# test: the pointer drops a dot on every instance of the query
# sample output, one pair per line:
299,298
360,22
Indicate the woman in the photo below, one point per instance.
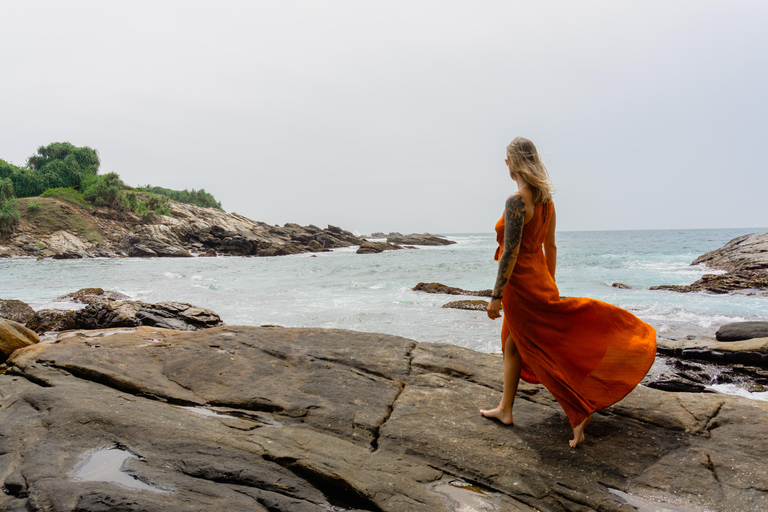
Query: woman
587,353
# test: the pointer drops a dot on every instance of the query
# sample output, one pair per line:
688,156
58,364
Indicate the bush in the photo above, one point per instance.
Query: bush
9,215
147,204
33,207
68,194
105,190
196,197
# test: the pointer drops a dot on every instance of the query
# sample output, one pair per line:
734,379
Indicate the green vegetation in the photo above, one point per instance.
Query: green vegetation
9,216
196,197
69,195
70,173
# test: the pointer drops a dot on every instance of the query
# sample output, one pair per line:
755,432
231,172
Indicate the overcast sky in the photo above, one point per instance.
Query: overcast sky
394,116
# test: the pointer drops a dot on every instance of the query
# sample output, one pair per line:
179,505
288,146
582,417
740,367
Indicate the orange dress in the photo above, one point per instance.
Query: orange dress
589,354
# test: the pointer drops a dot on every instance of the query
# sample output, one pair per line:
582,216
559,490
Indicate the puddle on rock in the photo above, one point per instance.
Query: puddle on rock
106,465
466,497
211,413
651,505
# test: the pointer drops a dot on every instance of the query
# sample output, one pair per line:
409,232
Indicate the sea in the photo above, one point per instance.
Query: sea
373,292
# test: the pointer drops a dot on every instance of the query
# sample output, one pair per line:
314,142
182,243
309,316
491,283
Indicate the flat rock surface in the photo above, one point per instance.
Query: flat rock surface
271,419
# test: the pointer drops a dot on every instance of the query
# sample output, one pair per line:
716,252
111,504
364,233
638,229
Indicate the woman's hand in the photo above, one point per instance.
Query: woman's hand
493,309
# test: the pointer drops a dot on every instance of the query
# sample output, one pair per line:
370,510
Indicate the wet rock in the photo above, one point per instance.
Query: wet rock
308,419
738,331
677,385
88,295
210,253
376,247
418,239
621,286
474,305
68,256
15,310
13,336
449,290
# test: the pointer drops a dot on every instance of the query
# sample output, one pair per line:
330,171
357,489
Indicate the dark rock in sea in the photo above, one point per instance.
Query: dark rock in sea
210,253
376,247
449,290
14,335
249,418
678,386
103,314
88,295
621,286
68,255
745,259
474,305
15,310
738,331
140,251
418,239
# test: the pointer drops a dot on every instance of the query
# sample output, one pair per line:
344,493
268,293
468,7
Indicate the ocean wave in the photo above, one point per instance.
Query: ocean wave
733,389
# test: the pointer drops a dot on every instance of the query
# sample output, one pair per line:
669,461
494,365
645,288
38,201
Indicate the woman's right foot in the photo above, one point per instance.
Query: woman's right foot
503,415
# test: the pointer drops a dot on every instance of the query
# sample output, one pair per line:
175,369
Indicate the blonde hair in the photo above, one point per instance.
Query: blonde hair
524,160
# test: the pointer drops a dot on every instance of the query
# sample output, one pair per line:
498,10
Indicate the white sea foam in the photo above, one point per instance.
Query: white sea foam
732,389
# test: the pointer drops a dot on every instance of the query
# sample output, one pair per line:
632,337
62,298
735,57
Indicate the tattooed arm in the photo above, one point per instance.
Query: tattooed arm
514,219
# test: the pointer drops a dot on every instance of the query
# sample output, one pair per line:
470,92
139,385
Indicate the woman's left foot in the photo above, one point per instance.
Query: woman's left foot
578,432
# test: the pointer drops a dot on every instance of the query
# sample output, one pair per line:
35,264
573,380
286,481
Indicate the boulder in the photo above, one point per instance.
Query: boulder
264,418
15,310
474,305
449,290
750,352
13,336
140,251
376,247
738,331
621,286
210,253
49,320
88,295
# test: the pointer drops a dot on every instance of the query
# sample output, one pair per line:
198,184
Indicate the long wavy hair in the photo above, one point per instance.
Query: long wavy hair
525,160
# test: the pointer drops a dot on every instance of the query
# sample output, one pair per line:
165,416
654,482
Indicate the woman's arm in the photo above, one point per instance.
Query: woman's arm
550,249
514,219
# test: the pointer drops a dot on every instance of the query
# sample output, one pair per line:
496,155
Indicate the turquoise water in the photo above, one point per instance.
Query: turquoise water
373,292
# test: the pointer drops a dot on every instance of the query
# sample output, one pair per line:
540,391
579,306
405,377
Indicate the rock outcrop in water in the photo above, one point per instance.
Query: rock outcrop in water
449,290
63,230
275,419
745,260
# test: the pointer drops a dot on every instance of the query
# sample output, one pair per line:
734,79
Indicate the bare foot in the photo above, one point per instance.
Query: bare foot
503,415
578,432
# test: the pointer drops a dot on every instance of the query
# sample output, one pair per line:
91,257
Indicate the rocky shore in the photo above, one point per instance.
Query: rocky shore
278,419
744,261
62,230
